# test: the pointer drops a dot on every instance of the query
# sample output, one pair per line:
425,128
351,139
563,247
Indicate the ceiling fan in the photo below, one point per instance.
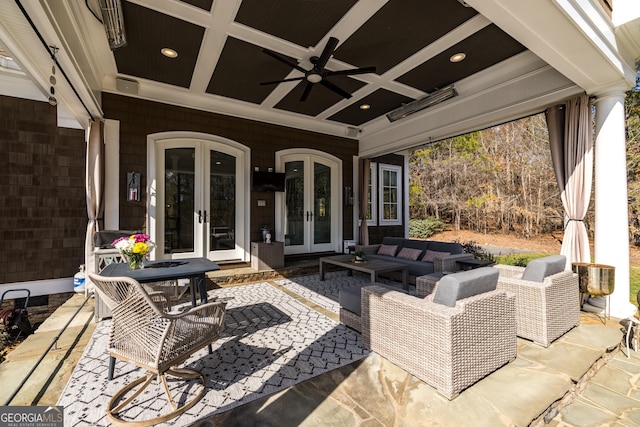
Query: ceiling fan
318,74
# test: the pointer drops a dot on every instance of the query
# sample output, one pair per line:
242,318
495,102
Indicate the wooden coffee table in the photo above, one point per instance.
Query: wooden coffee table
372,266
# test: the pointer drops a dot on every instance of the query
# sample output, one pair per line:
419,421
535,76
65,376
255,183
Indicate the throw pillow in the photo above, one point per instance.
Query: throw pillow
430,256
389,250
408,253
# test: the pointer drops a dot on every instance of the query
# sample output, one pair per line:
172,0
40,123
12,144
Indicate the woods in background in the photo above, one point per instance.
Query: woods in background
501,180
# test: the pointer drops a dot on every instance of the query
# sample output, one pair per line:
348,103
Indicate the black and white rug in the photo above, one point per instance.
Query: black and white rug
271,342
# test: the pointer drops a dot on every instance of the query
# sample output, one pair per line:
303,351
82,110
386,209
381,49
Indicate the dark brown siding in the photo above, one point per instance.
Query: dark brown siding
139,118
377,233
43,211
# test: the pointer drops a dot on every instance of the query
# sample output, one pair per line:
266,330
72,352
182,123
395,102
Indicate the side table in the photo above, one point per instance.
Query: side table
267,256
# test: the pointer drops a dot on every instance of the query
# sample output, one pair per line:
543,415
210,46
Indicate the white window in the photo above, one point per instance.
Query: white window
390,194
372,196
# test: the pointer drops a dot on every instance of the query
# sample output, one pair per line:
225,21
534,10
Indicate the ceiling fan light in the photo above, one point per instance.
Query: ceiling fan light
314,78
113,21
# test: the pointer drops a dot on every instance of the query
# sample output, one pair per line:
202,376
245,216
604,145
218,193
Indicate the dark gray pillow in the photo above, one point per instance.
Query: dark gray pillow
540,268
451,247
457,286
391,241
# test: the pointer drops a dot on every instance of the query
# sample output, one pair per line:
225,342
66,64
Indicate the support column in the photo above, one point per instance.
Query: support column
611,210
112,175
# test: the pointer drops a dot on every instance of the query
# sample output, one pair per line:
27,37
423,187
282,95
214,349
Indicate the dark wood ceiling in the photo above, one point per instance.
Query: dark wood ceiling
393,39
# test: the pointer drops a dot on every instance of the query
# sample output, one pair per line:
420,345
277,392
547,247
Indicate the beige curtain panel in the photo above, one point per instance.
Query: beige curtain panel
571,143
95,193
363,188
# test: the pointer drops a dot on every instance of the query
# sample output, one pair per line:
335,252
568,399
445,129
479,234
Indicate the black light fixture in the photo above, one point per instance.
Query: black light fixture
433,98
113,21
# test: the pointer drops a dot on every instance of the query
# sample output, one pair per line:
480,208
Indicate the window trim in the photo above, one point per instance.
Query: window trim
399,180
373,178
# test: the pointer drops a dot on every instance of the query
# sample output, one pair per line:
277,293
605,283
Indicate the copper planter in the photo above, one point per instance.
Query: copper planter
595,279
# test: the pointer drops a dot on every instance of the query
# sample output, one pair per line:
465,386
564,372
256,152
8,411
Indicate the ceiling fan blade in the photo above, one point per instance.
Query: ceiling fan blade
363,70
306,91
326,53
326,83
293,79
284,60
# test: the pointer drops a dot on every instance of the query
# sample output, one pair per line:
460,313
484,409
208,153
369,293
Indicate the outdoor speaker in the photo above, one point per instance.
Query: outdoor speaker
127,85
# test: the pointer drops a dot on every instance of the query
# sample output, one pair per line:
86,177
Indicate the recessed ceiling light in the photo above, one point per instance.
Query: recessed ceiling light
458,57
218,163
168,52
365,106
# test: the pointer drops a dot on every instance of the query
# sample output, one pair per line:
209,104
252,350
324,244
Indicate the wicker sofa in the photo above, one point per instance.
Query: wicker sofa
448,347
445,255
547,298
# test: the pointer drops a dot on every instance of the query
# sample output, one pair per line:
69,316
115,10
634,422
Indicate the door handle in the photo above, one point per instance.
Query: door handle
200,216
307,216
205,216
311,216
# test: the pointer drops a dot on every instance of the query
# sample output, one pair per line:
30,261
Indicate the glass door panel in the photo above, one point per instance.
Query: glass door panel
321,203
294,211
222,201
179,200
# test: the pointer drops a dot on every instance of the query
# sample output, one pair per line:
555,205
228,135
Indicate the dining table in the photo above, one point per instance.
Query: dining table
194,269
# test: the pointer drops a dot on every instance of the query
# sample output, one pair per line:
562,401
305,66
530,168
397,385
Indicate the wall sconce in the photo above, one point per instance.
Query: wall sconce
133,187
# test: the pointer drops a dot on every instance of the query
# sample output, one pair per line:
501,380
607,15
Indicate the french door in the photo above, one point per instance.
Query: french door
200,194
309,208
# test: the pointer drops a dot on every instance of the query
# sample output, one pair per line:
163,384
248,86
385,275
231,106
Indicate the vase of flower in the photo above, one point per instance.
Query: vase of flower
135,249
135,263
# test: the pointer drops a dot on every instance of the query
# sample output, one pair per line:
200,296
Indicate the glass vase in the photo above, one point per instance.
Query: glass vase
135,263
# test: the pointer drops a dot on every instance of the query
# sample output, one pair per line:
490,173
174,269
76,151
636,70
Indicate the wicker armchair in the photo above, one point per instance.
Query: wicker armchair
143,334
544,310
449,348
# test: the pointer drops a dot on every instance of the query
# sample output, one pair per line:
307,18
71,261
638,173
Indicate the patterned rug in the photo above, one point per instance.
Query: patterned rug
271,342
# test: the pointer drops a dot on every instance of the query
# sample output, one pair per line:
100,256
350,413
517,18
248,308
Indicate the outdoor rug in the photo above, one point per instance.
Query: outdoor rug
325,292
271,341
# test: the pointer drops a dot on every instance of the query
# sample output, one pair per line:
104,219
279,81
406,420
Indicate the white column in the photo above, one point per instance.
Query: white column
611,212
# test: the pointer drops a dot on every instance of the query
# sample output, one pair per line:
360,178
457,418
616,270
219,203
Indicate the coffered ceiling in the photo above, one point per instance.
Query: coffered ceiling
221,62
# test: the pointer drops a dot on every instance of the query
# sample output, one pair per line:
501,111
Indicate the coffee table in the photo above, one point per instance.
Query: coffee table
372,267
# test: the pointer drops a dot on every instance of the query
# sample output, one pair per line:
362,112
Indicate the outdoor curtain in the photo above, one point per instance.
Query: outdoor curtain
95,192
363,189
570,138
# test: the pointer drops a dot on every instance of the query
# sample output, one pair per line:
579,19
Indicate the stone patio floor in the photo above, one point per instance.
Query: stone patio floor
582,379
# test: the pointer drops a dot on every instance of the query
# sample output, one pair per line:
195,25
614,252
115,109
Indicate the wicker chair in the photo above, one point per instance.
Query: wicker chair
143,334
545,310
449,348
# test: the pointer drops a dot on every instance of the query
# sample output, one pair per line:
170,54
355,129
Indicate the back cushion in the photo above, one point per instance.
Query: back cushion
416,244
540,268
389,250
457,286
451,247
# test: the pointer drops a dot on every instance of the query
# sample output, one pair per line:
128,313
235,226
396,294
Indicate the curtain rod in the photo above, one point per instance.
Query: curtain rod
46,46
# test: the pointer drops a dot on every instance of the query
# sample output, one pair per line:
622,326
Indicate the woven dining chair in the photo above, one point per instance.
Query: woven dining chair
156,341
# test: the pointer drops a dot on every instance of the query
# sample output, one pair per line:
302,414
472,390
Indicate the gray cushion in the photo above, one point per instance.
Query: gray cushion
397,241
540,268
349,298
451,247
457,286
416,244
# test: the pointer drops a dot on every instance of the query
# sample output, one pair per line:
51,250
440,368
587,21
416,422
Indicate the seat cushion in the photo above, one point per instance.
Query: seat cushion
457,286
538,269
